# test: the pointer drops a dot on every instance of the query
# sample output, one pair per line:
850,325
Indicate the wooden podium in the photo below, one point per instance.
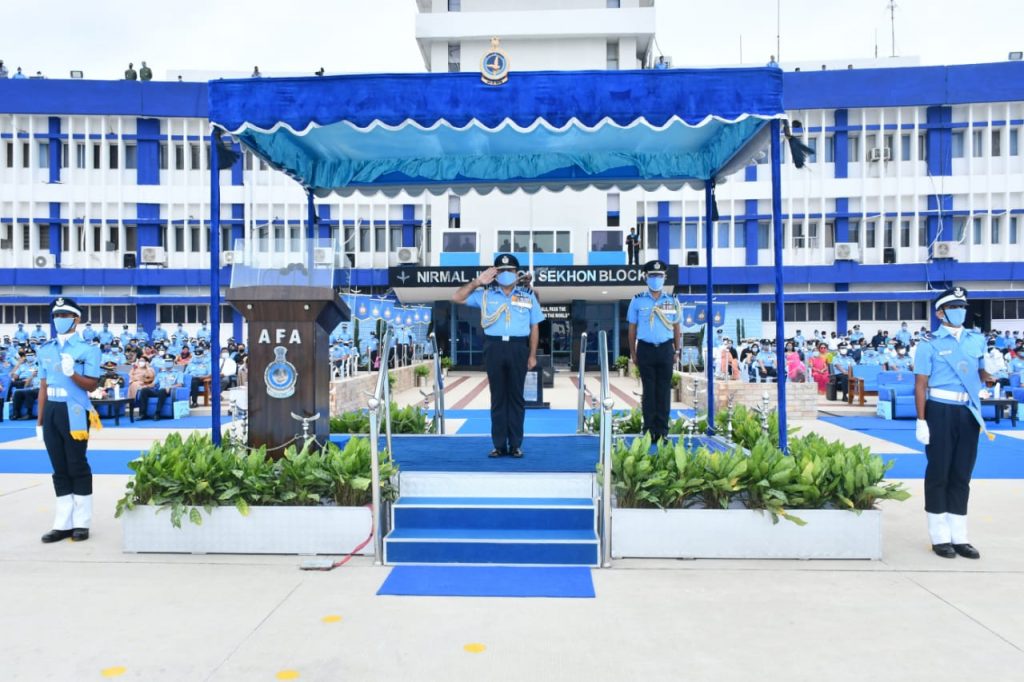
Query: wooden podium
289,372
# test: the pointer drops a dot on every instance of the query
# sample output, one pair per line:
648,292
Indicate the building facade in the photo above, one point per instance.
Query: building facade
916,182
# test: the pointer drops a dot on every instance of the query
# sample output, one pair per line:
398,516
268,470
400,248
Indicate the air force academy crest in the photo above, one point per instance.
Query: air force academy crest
494,65
280,375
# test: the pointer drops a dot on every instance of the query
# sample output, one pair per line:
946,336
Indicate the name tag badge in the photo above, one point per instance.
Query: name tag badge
522,302
945,352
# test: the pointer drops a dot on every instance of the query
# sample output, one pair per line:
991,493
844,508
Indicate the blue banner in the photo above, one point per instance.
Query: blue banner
701,314
717,314
689,316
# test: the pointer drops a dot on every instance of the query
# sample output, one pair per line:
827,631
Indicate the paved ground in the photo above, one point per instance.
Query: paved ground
87,611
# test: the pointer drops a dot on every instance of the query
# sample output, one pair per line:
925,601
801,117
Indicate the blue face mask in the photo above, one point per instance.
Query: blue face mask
655,283
956,316
63,324
506,279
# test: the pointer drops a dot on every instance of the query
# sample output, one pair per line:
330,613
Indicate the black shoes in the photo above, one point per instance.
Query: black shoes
57,535
517,453
967,551
496,453
945,550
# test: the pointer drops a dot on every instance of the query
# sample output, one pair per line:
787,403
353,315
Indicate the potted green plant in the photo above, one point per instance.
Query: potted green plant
446,364
193,496
677,386
678,502
422,372
622,364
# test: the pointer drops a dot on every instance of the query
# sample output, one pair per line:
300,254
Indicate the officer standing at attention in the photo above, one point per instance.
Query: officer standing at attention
69,368
654,342
510,314
948,390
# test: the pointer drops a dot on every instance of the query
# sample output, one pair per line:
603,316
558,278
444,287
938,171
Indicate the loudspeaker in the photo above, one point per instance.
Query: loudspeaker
129,261
889,255
692,258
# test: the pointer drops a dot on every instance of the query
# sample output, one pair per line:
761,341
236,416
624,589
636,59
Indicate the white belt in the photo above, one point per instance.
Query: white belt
943,394
56,392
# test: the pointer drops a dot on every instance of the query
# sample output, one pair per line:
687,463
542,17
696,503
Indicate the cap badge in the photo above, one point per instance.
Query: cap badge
59,302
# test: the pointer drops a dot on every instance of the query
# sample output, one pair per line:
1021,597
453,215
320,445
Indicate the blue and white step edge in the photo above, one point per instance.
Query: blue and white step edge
487,484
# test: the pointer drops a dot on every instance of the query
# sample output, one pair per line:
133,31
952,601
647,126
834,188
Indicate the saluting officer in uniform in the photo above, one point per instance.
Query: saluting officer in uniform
654,342
509,314
69,367
948,390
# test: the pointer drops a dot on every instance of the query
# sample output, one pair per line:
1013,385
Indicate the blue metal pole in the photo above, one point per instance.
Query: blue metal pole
215,289
709,362
780,307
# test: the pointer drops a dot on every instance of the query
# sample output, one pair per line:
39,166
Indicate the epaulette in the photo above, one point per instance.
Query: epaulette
927,336
640,294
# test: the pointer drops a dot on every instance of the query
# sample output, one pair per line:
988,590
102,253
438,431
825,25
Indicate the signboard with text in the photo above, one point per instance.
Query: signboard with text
548,276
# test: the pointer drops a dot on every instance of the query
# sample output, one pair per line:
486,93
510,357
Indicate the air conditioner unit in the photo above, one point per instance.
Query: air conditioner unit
945,250
693,257
848,251
323,255
43,260
879,154
230,258
406,255
154,255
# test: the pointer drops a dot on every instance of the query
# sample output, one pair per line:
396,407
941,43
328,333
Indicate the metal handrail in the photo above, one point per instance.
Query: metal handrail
605,442
381,395
438,386
581,402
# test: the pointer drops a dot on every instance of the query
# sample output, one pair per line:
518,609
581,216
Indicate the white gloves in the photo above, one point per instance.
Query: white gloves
67,364
922,434
984,394
39,433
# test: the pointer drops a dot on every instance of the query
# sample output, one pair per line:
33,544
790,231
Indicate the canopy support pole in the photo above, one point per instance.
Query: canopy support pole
215,289
709,363
310,229
780,307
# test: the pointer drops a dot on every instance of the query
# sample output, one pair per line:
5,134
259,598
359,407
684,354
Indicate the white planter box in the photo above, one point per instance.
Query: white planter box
745,534
266,530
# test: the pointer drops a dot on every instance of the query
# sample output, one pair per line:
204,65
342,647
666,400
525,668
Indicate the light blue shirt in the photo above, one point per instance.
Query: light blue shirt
870,357
203,333
519,310
40,334
21,336
88,333
167,379
767,357
967,356
903,336
159,334
105,336
141,335
841,364
649,326
199,366
900,363
85,355
1016,365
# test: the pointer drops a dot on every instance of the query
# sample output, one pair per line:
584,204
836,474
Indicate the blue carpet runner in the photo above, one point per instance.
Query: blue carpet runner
489,581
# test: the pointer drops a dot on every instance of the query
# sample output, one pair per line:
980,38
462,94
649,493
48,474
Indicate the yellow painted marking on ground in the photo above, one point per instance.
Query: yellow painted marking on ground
115,671
474,648
986,519
287,675
331,619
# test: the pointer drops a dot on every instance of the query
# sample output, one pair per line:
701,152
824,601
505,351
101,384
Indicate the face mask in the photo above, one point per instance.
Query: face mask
842,351
506,279
755,349
956,316
901,351
63,324
655,283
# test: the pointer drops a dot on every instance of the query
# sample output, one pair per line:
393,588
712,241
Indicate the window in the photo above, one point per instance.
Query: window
163,157
1007,310
112,151
454,57
959,229
798,235
194,231
977,143
812,235
830,148
812,142
179,157
606,240
905,233
458,242
764,234
995,229
976,232
379,236
958,144
855,231
193,155
739,236
521,241
1013,230
364,238
922,147
888,236
80,155
997,138
800,312
24,154
1014,141
131,157
723,236
612,55
853,148
454,5
612,4
905,147
830,235
562,243
870,234
652,234
96,165
44,154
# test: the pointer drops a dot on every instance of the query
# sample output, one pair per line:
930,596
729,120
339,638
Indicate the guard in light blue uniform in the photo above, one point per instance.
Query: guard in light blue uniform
204,333
105,336
88,333
21,336
765,362
1016,365
509,315
141,335
870,357
69,368
125,335
856,335
949,389
39,335
159,333
903,335
655,319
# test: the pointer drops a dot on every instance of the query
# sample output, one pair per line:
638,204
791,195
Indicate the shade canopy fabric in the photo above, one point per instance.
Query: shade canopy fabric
554,130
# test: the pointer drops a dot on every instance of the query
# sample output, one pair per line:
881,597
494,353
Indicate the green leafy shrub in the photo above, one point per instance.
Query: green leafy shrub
422,371
446,362
624,421
622,362
677,379
411,419
184,476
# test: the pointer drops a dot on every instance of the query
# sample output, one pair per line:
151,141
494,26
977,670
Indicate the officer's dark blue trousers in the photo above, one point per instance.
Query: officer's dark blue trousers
71,472
952,450
655,365
505,362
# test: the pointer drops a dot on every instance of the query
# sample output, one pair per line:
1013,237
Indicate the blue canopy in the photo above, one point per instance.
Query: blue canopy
451,132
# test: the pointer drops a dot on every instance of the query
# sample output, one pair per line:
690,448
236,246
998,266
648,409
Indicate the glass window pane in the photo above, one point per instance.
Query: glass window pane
504,241
521,241
906,311
606,240
544,242
562,242
459,242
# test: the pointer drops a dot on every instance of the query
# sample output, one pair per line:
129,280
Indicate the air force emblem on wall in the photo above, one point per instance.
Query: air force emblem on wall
494,65
280,375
